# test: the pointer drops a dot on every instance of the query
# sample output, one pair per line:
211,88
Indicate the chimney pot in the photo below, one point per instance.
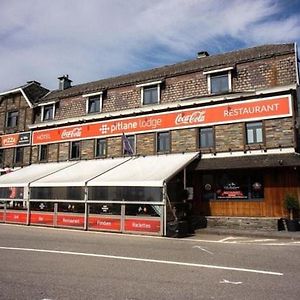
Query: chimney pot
202,54
64,82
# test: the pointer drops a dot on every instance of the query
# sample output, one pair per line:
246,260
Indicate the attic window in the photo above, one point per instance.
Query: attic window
47,111
150,92
93,102
219,81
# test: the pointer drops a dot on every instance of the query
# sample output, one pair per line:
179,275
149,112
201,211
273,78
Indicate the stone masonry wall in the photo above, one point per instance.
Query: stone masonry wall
63,151
87,149
184,140
229,137
279,133
145,144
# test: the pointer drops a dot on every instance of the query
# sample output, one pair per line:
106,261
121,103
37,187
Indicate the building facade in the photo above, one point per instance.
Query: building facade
235,114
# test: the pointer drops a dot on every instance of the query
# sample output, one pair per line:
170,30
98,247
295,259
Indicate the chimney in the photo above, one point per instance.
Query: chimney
202,54
64,82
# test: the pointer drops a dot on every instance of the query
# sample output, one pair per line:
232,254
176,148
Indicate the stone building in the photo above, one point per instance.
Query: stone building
227,123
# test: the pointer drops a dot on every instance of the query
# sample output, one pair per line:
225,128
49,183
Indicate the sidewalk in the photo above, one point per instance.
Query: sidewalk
293,235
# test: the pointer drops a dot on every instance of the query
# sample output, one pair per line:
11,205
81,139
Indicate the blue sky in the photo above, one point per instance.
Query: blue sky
93,39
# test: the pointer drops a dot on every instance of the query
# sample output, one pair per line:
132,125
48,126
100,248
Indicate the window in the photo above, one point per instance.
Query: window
75,150
94,104
206,137
163,142
18,157
150,92
254,132
12,119
128,144
150,95
48,112
236,185
219,81
43,152
100,149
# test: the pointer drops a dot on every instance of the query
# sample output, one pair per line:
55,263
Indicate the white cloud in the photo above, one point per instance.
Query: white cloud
93,39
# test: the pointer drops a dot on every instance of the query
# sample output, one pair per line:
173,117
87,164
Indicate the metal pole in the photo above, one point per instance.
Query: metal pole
184,178
86,208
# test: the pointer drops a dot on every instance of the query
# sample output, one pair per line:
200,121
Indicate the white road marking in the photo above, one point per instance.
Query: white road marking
230,238
231,282
201,248
178,263
259,240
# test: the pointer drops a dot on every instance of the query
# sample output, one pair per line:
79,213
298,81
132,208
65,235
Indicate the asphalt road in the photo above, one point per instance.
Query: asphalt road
41,263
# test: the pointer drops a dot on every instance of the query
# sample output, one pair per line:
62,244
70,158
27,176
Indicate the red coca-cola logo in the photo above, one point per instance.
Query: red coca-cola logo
195,117
73,133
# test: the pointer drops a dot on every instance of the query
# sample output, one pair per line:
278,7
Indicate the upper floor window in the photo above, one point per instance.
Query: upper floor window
47,112
12,119
163,142
150,92
43,153
75,150
219,81
93,103
128,144
100,149
206,137
254,132
18,157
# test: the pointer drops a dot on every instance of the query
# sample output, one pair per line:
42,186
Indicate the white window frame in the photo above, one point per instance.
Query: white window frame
87,96
215,72
43,110
149,84
95,148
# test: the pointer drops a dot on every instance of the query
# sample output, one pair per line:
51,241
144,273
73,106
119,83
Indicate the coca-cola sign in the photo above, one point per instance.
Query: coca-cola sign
240,111
71,133
196,117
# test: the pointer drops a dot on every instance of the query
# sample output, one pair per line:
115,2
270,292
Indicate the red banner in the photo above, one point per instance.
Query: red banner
142,225
42,218
1,216
16,217
70,220
101,223
217,114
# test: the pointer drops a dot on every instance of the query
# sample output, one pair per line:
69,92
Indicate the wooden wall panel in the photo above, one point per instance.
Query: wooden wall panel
277,182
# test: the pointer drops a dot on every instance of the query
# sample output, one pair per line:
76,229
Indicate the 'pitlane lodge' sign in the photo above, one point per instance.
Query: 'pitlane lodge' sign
258,109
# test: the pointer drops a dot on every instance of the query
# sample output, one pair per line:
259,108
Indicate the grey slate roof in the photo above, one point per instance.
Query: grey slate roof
34,92
205,63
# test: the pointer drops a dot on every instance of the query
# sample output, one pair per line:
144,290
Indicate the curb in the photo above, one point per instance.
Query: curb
252,233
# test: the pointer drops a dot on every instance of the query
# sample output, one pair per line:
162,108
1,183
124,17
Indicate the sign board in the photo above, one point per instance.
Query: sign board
250,110
15,139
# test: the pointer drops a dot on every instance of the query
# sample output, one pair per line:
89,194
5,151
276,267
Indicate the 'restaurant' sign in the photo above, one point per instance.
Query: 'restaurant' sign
15,139
267,108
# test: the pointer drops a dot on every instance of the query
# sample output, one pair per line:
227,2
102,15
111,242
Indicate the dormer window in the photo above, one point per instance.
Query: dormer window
93,103
150,92
219,81
47,111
